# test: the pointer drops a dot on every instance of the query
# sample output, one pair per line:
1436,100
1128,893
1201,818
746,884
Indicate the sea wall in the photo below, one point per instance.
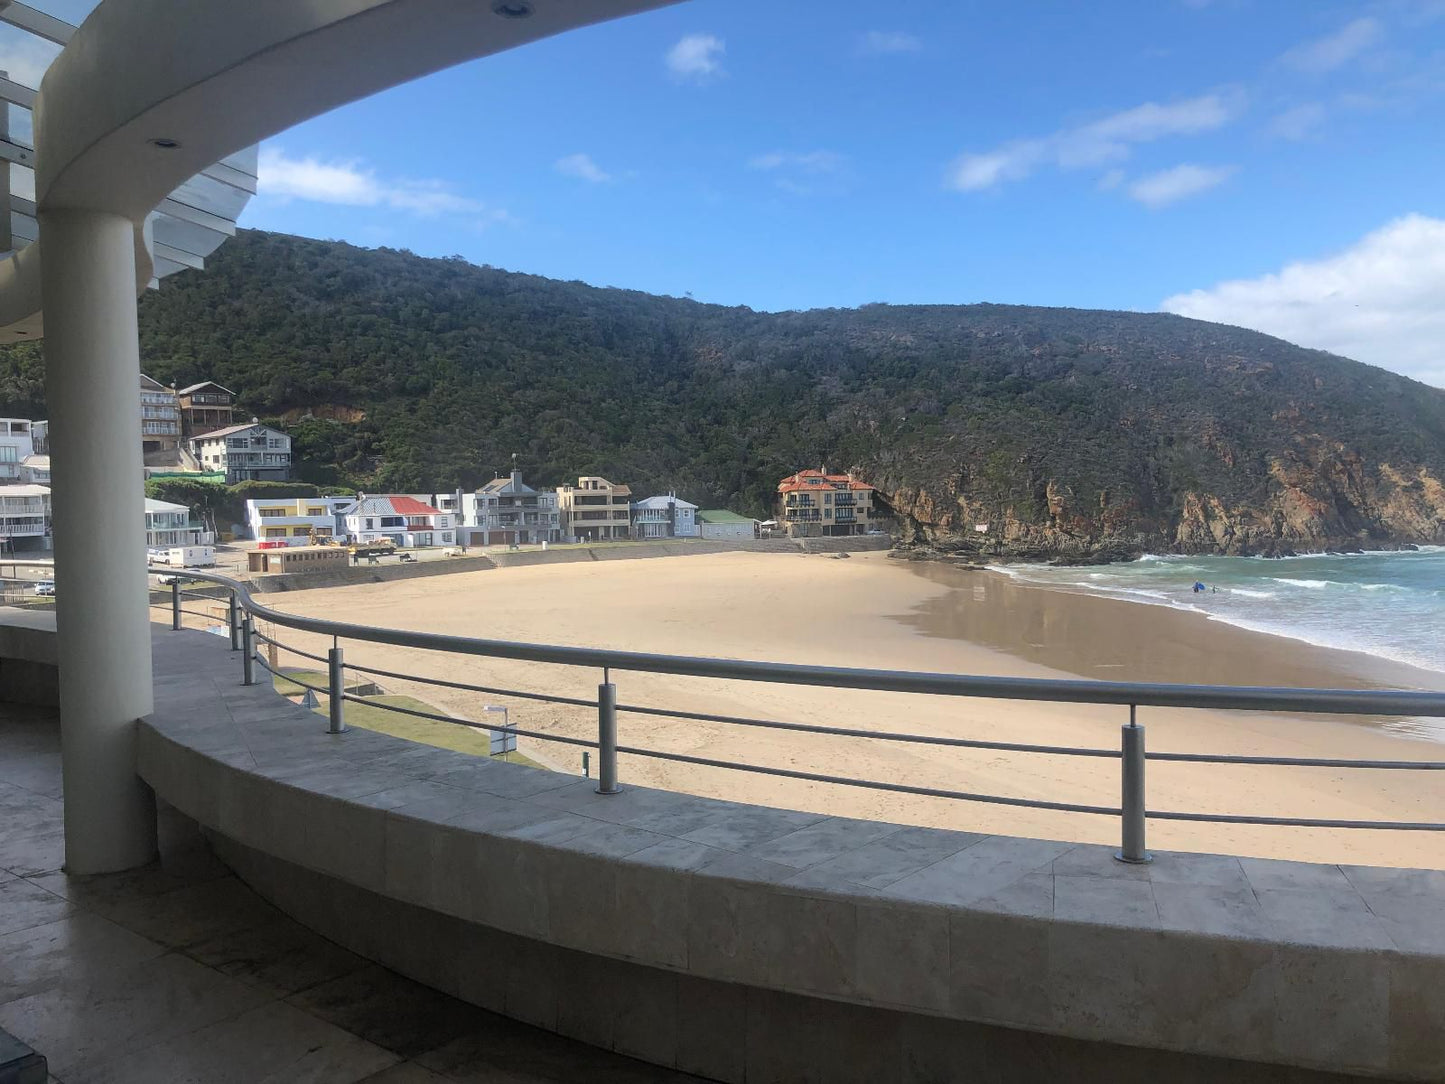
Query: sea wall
368,573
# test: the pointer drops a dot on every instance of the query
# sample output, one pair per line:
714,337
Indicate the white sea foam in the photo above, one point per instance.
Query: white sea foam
1313,585
1247,593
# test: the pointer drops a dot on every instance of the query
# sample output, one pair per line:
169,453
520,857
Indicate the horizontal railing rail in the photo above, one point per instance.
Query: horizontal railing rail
244,610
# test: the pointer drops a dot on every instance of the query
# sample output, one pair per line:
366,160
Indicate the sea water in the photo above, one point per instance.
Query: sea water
1391,605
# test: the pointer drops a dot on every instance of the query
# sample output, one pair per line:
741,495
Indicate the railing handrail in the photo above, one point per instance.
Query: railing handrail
1058,690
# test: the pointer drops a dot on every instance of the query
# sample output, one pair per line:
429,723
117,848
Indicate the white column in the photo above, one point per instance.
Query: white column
92,373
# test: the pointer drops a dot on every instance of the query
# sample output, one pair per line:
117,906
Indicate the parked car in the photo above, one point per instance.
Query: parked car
45,587
167,578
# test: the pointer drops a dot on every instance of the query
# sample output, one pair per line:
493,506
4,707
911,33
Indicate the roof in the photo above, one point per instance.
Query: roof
24,491
217,433
816,479
204,384
160,506
505,485
722,515
392,506
663,502
40,461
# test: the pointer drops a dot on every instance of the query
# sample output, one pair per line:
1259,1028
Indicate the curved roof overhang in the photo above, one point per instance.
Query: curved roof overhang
209,78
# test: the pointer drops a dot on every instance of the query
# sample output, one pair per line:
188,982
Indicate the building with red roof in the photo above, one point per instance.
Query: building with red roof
405,520
814,503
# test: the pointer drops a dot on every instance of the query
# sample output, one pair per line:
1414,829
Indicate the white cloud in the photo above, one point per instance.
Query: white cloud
1297,123
807,161
1111,180
1172,185
889,41
583,168
1377,301
1335,50
1095,144
350,183
697,57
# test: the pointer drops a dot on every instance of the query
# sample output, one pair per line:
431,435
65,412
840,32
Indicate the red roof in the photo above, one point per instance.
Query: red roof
817,480
410,506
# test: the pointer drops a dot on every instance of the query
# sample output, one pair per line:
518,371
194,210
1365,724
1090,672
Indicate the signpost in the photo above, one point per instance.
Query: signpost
503,741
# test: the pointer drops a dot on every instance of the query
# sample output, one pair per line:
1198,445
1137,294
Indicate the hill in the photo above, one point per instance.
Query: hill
1070,432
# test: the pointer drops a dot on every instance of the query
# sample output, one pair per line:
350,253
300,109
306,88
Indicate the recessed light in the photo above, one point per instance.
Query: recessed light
513,9
165,144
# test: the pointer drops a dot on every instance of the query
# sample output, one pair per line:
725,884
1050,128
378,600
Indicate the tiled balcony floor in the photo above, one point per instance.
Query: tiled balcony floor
178,973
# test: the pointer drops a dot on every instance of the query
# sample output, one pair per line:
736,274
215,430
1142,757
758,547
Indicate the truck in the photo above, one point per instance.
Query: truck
376,547
185,556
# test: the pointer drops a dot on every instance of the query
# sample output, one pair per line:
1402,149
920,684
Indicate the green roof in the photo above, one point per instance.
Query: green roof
722,515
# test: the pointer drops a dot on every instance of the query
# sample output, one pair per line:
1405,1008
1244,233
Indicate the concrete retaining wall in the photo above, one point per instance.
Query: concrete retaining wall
367,573
748,943
28,664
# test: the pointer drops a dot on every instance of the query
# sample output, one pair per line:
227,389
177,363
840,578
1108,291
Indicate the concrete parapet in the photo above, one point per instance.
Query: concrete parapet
743,943
29,670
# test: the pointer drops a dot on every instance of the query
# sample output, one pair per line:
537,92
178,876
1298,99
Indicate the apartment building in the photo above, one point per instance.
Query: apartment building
294,519
505,512
595,510
160,416
206,407
814,503
403,519
170,525
245,452
16,446
24,519
664,517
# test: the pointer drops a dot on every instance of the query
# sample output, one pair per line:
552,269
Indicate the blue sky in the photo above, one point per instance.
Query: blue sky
1276,163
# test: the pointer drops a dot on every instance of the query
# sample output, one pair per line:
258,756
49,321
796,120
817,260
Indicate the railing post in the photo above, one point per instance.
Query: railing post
235,623
336,672
1133,849
175,604
248,650
607,738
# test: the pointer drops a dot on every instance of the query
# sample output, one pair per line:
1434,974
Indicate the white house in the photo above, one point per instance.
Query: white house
245,452
405,520
35,470
170,525
720,525
16,445
24,518
504,512
293,519
664,517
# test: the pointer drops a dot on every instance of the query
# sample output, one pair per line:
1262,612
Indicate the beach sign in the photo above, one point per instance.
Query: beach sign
981,528
505,739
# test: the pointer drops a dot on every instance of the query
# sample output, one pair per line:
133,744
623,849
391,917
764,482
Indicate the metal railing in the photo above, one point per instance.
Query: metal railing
243,610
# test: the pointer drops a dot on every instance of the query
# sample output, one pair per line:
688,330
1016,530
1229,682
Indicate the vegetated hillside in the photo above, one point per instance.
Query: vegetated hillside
1070,432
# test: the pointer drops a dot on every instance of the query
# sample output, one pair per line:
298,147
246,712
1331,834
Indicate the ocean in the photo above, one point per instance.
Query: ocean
1390,605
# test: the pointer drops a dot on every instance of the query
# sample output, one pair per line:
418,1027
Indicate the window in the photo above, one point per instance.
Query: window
265,512
275,532
9,453
316,511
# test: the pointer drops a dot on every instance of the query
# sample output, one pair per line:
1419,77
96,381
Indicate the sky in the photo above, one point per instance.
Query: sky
1271,163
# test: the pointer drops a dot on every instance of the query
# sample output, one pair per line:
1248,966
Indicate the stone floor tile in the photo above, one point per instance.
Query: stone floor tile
502,1052
1267,873
1317,916
386,1009
271,1044
280,956
1179,867
79,944
188,915
1090,860
406,1072
24,905
124,1009
28,856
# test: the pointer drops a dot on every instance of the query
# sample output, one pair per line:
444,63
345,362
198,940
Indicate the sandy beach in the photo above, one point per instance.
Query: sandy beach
870,611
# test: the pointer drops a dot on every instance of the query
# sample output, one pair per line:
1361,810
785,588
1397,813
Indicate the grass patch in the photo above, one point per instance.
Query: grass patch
372,715
286,687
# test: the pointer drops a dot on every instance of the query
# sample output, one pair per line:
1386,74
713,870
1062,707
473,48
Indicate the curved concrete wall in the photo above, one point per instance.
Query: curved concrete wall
741,942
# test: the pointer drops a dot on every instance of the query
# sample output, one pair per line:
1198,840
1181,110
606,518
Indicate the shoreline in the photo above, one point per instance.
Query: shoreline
869,611
1360,669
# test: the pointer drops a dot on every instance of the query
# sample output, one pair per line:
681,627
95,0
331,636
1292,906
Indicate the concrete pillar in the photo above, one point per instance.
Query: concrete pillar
92,373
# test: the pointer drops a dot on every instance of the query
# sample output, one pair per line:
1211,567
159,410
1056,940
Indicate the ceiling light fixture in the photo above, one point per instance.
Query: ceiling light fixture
513,9
165,144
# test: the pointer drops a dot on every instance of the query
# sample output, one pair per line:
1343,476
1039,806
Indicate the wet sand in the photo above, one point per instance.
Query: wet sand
870,611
